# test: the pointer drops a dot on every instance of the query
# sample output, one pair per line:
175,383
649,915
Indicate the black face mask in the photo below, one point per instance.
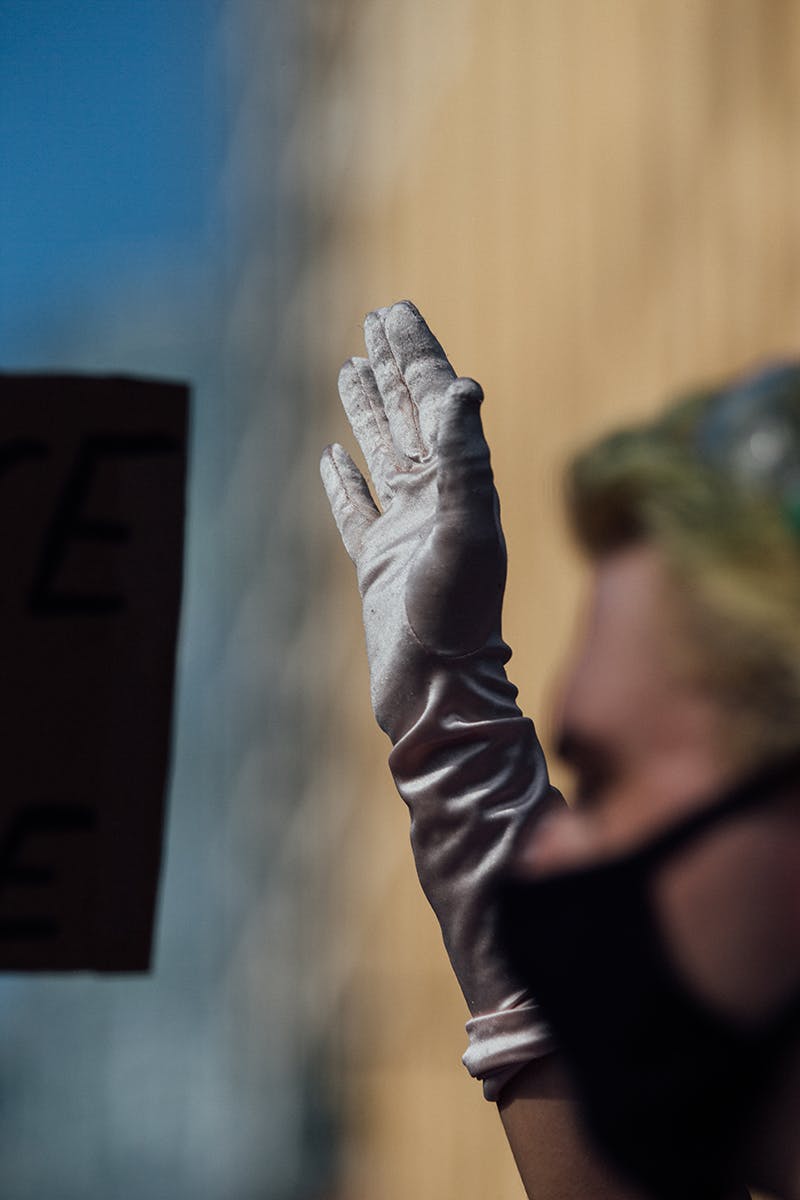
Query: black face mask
668,1087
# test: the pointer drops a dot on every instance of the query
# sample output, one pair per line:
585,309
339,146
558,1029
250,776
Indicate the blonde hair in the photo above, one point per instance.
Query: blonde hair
732,550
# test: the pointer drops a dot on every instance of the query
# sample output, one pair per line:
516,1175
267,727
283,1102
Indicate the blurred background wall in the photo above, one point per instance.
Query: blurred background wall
593,204
150,223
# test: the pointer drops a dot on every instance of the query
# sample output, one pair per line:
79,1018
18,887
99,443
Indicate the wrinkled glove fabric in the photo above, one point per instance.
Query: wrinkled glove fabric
431,568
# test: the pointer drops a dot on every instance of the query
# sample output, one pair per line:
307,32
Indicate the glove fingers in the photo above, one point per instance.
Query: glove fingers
466,483
351,503
364,407
412,371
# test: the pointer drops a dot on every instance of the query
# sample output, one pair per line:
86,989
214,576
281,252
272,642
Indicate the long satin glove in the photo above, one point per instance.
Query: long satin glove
431,570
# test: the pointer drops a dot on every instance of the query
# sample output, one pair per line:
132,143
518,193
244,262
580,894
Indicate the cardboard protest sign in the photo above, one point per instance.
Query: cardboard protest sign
92,485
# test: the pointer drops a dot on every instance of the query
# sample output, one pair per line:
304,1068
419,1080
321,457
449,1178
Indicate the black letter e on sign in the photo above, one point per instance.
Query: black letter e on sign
69,524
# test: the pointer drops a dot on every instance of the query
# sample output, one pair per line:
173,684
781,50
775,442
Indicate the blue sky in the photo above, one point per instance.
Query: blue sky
109,126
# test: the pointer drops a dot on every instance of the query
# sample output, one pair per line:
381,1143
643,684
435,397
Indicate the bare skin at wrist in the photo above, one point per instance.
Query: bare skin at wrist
553,1157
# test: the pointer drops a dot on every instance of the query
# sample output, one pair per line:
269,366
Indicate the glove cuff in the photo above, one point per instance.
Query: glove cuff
502,1043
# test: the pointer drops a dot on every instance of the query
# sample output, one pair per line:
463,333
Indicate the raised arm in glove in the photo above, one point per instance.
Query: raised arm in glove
431,566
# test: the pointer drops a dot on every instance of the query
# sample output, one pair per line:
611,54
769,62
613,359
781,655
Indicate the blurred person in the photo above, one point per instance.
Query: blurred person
656,920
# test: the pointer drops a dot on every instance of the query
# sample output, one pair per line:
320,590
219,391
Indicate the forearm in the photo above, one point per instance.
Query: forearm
473,774
552,1155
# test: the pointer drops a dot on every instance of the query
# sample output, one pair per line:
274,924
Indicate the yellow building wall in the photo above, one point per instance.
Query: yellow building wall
593,203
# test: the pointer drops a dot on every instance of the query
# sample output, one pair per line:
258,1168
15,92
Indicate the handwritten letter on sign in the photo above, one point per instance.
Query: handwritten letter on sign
92,483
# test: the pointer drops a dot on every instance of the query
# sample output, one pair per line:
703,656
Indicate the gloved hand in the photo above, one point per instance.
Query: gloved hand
431,570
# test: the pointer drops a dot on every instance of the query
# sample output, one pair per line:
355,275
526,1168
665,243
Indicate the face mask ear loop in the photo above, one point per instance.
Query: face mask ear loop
754,791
